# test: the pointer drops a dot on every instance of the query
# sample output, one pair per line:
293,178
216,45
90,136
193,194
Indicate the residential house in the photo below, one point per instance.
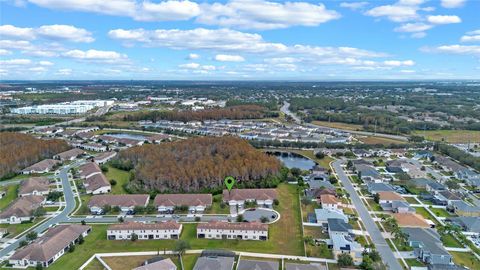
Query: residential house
427,245
34,186
395,166
257,265
434,187
323,215
69,155
93,147
126,202
469,176
468,224
329,202
145,231
157,263
104,157
317,193
49,247
97,184
368,173
43,166
342,239
21,209
196,203
374,188
237,197
464,209
414,171
214,262
88,170
392,201
423,154
412,220
447,196
448,164
230,231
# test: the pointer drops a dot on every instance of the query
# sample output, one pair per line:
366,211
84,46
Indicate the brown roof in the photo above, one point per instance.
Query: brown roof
250,194
96,181
168,225
126,200
105,155
165,264
246,226
42,165
411,220
88,168
51,243
23,206
70,154
34,183
182,199
321,191
390,196
328,199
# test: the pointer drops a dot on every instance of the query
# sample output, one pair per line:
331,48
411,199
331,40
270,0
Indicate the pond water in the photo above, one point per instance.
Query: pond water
127,136
293,160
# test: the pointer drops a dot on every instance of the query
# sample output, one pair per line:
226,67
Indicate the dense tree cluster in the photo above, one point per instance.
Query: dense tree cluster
18,151
234,112
198,164
459,155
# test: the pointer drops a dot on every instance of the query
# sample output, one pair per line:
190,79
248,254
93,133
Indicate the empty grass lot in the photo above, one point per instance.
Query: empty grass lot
9,197
338,125
451,136
122,178
379,140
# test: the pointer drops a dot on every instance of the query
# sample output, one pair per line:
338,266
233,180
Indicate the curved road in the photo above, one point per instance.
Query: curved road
285,110
388,257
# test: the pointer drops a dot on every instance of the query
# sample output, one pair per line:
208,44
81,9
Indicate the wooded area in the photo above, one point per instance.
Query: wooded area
18,151
234,112
198,164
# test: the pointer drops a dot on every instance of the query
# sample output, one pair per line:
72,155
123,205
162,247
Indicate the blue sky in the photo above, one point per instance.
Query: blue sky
239,39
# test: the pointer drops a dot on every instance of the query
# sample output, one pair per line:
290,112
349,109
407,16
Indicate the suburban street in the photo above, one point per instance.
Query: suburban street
62,217
383,248
285,110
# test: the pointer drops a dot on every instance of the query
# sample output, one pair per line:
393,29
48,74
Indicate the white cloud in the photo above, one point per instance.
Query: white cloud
418,35
15,62
111,7
472,36
401,11
413,27
38,69
64,71
5,52
408,71
190,66
96,56
229,58
55,32
198,67
262,15
353,5
45,63
396,63
444,19
193,56
167,11
455,49
452,3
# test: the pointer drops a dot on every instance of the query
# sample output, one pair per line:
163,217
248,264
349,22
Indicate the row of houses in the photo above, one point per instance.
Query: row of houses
167,203
94,180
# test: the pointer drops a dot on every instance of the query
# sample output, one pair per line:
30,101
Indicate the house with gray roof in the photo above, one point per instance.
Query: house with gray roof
462,208
368,173
301,266
374,188
257,265
342,239
323,215
469,224
434,186
214,263
427,245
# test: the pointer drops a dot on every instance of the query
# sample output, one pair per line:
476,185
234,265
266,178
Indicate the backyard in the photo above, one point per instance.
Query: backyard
11,194
121,177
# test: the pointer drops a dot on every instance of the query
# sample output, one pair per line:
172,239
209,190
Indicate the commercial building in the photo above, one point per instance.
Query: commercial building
75,107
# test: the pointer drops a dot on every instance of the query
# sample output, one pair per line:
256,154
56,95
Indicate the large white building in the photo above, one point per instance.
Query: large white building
226,230
75,107
144,231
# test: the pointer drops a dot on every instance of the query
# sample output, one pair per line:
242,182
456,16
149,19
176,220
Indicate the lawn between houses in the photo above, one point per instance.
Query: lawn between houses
285,237
12,191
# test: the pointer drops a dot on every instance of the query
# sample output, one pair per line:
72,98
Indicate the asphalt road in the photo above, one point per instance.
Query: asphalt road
388,257
285,110
62,217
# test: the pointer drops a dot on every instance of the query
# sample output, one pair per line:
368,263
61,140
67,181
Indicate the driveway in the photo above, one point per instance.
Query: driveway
388,257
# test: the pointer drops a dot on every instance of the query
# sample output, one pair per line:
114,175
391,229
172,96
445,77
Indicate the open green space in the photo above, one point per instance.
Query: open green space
338,125
95,265
11,194
440,212
189,261
411,200
315,232
120,176
414,263
16,229
449,241
465,259
451,136
218,207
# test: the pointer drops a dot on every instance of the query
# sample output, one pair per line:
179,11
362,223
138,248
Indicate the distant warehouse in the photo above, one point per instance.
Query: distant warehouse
75,107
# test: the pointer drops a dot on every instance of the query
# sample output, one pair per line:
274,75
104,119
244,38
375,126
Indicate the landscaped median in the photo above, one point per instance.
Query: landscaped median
285,237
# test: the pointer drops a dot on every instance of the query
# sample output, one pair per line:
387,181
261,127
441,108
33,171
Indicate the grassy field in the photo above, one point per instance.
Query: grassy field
216,206
130,262
338,125
449,241
451,136
122,177
16,229
315,232
95,265
12,191
441,212
189,261
411,200
379,140
414,262
465,258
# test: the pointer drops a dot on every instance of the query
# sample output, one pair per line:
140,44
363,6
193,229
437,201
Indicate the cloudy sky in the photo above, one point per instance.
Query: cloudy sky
239,39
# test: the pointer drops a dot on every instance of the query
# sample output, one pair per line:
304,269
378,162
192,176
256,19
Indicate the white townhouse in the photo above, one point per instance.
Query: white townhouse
49,247
263,197
226,230
145,231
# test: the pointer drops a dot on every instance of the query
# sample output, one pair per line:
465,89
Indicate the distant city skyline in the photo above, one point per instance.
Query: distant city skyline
239,40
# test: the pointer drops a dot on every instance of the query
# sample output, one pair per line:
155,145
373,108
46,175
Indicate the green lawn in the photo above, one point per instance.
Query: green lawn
422,211
414,262
189,261
451,136
440,212
315,232
120,263
320,251
216,206
122,177
95,265
449,241
411,200
9,197
16,229
466,259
